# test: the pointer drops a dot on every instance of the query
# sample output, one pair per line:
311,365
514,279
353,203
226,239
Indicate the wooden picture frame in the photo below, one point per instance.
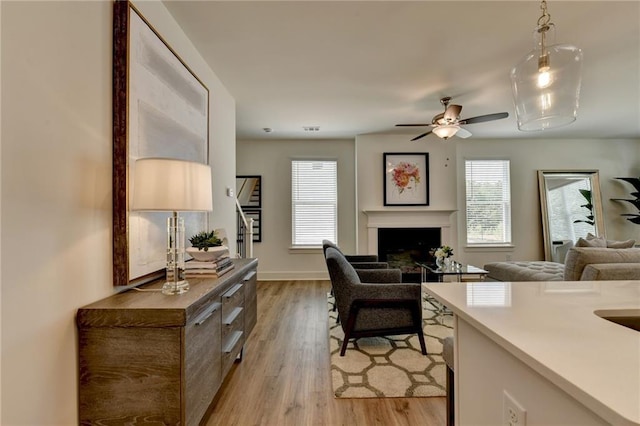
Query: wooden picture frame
160,109
406,178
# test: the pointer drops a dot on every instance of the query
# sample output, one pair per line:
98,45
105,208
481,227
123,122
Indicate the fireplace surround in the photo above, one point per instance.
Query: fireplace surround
422,230
403,247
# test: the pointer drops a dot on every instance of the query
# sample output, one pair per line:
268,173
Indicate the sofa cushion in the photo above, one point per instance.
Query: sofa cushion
579,257
611,271
525,271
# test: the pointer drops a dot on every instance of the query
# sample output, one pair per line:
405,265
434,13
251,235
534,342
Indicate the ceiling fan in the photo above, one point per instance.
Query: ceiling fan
447,124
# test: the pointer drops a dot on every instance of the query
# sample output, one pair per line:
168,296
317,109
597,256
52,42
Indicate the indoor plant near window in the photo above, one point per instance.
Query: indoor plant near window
206,246
590,218
632,217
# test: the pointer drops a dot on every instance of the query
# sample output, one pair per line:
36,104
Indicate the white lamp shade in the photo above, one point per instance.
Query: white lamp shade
446,131
166,184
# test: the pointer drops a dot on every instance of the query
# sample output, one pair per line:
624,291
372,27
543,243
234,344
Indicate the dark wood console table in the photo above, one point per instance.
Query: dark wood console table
149,358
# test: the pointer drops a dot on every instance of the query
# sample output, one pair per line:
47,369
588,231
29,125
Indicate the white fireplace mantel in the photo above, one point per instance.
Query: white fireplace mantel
406,218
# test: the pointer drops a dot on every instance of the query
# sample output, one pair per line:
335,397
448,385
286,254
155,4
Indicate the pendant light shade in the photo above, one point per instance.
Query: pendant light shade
546,82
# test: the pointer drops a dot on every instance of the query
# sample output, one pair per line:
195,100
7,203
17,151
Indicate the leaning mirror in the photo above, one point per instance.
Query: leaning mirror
571,208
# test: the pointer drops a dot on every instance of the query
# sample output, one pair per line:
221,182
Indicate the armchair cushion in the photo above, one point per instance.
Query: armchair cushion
379,275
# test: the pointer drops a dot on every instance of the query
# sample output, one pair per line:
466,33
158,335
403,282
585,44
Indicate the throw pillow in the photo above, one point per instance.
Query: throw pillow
621,244
591,242
613,243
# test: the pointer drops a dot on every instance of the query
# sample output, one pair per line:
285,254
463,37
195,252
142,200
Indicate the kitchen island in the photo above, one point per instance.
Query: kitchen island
540,347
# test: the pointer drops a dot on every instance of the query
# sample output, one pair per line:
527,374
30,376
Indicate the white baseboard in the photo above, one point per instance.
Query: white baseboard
292,275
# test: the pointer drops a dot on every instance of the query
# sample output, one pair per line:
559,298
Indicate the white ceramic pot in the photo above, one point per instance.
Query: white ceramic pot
207,256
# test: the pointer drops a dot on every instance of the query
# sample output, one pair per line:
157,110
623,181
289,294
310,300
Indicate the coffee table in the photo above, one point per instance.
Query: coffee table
459,270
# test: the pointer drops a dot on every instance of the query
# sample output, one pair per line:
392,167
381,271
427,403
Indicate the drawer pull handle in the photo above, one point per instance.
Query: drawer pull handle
249,276
205,315
231,343
232,316
229,294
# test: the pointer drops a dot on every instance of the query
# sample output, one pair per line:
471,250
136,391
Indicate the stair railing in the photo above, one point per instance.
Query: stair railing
244,237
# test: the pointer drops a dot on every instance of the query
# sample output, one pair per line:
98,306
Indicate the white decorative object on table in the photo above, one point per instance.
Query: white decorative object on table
212,253
443,256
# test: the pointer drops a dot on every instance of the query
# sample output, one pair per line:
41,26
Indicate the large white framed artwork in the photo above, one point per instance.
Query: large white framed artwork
161,109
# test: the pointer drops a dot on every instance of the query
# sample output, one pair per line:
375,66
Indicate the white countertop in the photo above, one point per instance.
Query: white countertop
551,327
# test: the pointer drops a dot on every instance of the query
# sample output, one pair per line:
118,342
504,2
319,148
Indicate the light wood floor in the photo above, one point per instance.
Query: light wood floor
284,378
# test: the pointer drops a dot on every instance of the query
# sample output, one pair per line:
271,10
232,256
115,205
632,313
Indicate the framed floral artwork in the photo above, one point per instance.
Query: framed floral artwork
406,179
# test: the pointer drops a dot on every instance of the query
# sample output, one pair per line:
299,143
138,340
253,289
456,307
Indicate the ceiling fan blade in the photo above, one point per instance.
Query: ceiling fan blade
412,125
452,112
421,136
463,133
483,118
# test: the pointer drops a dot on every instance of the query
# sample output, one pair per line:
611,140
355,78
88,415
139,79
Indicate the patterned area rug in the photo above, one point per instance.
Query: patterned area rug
393,366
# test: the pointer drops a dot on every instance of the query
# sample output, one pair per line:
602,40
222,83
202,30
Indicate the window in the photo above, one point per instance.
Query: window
488,202
314,201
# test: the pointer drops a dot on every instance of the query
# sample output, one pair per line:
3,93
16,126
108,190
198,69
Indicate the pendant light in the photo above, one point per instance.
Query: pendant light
546,81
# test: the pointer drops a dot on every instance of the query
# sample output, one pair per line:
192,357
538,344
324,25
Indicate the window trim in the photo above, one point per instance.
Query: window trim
503,245
307,248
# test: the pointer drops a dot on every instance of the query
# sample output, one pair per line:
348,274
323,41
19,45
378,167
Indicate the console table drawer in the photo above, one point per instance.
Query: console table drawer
231,348
203,374
233,297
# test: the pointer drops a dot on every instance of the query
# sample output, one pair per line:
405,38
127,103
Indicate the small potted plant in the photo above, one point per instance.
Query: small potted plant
206,246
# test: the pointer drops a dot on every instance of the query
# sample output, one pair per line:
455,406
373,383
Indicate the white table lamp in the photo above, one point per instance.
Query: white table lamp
167,184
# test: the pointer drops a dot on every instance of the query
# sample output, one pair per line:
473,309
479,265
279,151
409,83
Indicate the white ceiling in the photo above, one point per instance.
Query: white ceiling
356,67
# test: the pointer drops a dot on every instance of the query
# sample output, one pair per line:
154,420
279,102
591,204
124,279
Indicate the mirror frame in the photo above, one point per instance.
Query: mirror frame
596,199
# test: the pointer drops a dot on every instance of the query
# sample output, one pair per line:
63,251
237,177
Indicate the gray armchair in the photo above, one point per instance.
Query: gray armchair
374,309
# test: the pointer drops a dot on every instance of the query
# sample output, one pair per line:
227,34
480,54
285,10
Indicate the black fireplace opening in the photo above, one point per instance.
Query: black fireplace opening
402,248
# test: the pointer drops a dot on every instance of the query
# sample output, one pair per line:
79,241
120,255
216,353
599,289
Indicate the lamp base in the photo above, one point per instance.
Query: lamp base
178,287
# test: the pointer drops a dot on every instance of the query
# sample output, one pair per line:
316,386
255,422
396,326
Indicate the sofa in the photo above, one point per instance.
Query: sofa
581,264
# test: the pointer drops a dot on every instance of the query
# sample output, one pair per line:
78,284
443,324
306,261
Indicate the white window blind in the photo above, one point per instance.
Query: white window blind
314,197
488,196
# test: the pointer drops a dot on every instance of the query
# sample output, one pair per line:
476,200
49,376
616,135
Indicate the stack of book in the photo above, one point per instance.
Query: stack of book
214,268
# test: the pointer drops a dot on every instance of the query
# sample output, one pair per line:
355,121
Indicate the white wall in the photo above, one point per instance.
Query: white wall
56,189
272,160
611,157
441,179
446,176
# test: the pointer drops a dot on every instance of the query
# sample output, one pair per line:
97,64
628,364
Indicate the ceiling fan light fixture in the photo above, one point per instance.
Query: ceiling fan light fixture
446,131
546,82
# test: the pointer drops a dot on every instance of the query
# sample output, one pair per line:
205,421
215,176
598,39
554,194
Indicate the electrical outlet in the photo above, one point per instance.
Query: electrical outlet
508,258
513,414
